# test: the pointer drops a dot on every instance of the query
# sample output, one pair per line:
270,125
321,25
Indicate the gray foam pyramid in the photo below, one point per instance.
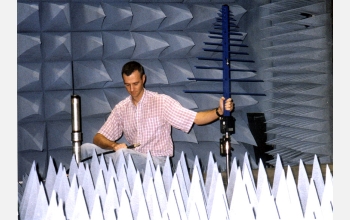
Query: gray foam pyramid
78,47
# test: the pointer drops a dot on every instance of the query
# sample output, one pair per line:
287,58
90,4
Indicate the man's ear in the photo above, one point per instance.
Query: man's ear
143,79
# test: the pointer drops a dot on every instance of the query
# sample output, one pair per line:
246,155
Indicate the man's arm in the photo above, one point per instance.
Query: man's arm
205,117
103,142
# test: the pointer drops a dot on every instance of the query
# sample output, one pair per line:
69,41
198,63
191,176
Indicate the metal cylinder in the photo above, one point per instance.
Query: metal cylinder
77,136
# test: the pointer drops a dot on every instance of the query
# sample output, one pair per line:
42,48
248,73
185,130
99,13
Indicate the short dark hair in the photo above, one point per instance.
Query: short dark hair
131,66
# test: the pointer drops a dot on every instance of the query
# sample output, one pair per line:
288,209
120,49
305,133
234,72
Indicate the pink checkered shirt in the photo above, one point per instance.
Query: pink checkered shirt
149,123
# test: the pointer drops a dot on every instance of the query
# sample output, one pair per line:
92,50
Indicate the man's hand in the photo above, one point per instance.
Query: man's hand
205,117
104,143
117,146
229,105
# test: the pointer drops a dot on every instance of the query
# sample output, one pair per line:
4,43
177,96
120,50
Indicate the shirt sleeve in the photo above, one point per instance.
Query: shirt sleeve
177,115
112,128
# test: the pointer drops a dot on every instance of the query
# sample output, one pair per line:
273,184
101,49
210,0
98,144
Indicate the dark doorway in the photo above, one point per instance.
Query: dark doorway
257,125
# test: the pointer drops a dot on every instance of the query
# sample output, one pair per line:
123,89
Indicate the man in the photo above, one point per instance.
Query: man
145,118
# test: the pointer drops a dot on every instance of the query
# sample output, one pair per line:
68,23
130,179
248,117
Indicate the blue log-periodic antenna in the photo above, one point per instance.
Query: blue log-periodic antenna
227,122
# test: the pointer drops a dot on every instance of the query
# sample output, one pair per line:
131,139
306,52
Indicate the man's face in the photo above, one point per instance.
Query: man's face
134,84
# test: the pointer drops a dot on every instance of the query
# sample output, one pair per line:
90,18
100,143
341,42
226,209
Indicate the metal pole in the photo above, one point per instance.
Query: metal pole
77,136
227,149
226,77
